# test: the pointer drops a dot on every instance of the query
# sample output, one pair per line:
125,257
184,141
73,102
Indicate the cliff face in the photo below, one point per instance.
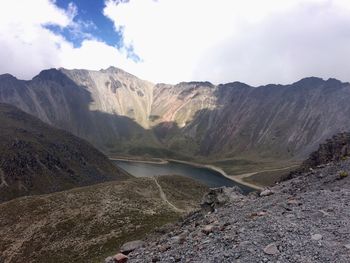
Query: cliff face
36,158
122,114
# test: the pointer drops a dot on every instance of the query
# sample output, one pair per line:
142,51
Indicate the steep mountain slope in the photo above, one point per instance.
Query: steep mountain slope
36,158
305,219
86,224
121,114
84,107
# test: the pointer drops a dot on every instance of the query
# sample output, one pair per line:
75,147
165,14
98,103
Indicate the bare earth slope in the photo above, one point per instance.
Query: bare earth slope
36,158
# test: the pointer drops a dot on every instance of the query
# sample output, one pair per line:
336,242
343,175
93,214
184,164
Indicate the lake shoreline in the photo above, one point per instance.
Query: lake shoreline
155,161
160,161
222,172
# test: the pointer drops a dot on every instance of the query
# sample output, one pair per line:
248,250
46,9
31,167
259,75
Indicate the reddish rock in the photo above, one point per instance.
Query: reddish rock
208,229
120,258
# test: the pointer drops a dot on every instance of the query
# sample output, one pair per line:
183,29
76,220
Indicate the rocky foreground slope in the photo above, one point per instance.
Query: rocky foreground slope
36,158
304,219
121,114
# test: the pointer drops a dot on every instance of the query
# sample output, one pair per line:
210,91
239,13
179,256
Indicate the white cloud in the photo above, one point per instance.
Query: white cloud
248,40
254,41
27,46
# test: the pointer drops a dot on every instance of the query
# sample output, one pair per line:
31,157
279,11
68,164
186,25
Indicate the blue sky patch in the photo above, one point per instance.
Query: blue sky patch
91,23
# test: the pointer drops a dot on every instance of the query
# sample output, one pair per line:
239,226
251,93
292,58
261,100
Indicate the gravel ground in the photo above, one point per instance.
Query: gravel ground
305,219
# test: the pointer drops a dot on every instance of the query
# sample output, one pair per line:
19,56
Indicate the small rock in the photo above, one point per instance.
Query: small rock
131,246
120,258
164,248
293,202
347,246
266,192
208,229
180,238
316,237
237,255
155,259
261,213
109,260
271,249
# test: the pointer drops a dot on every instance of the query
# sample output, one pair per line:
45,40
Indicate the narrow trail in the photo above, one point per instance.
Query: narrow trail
164,198
240,177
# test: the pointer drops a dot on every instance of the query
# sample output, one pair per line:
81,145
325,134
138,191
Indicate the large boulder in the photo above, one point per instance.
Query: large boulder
131,246
217,197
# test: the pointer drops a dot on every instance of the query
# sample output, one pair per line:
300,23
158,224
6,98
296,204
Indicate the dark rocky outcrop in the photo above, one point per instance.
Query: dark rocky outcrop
334,149
218,197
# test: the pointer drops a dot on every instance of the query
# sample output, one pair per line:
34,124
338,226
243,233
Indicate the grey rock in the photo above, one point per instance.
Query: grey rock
271,249
131,246
266,192
109,260
316,237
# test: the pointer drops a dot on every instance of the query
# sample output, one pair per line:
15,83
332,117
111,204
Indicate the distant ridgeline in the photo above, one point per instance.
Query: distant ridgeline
124,115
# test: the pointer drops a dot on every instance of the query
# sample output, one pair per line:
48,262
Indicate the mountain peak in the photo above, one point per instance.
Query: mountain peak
235,84
310,81
7,77
48,74
198,83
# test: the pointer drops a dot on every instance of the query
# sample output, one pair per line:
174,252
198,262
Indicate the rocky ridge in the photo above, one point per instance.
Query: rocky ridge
304,219
186,120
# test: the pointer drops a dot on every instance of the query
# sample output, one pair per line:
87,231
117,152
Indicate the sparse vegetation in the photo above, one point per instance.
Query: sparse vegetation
343,174
153,117
89,223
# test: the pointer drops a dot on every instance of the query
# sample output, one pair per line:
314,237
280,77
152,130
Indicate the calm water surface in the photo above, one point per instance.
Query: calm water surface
206,176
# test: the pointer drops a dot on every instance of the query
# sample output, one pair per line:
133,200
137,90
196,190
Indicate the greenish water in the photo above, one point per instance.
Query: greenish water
206,176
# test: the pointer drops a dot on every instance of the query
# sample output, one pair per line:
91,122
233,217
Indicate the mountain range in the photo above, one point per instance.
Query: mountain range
121,114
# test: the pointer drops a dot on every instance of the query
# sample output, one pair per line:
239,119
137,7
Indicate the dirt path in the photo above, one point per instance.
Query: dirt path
240,177
156,161
164,198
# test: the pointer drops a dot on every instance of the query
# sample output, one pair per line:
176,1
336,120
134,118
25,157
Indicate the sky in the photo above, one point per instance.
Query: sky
169,41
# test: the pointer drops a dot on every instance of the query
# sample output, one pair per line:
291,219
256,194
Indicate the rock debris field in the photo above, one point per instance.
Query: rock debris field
305,219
